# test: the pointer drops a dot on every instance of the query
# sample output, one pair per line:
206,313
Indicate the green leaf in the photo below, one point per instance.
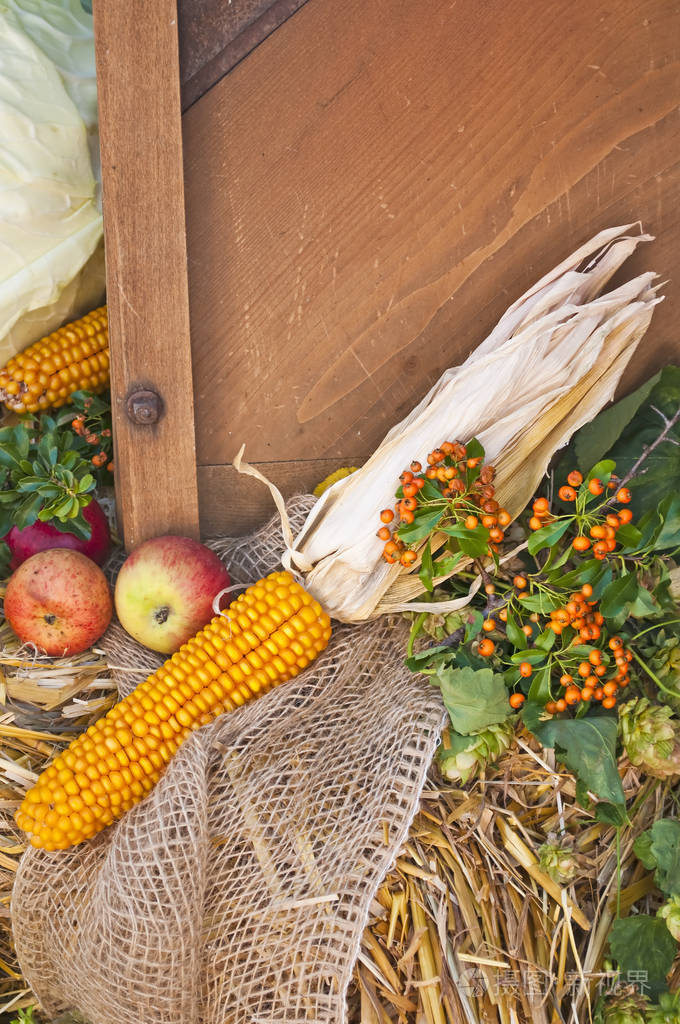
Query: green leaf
546,640
473,626
602,470
642,848
663,465
86,483
473,699
5,559
532,656
425,574
611,814
642,943
548,535
540,602
644,604
669,512
514,633
629,537
474,449
429,492
423,524
659,847
79,527
444,566
532,712
27,512
619,595
539,690
595,439
472,542
588,747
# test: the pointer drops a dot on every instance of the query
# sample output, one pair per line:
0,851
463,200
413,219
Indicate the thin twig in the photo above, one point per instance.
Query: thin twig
647,451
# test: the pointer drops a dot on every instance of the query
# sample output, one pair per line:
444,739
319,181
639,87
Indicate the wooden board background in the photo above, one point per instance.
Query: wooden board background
371,187
146,260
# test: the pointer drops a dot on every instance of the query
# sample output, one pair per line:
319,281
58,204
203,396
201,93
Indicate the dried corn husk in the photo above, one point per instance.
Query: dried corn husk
548,367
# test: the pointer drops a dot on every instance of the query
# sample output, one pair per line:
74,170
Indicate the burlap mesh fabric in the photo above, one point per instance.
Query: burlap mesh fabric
238,891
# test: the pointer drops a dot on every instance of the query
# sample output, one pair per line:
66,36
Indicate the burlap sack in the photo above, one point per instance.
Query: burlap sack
238,891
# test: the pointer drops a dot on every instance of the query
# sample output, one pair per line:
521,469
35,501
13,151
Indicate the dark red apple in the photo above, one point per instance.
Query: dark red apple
58,600
165,590
43,536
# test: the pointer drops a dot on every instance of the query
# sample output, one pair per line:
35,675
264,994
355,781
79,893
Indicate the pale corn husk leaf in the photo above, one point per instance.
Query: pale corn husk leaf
554,359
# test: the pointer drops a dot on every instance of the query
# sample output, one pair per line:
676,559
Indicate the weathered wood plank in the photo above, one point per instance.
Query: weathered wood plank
232,504
144,224
373,186
214,37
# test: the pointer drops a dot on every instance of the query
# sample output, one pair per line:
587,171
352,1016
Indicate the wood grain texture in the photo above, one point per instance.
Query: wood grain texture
147,294
235,504
371,188
214,36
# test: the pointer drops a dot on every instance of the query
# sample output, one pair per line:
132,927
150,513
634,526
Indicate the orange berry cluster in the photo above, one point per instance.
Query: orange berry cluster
594,683
78,426
473,502
599,677
602,534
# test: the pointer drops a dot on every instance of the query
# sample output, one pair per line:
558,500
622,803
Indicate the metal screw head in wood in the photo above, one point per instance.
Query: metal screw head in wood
144,407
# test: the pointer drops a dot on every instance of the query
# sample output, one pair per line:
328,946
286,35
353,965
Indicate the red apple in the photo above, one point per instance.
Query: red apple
165,590
43,536
58,600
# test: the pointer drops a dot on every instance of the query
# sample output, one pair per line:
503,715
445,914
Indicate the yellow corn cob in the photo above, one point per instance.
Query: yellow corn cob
266,636
45,375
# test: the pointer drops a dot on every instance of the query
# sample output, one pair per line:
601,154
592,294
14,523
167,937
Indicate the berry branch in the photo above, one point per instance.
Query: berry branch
648,449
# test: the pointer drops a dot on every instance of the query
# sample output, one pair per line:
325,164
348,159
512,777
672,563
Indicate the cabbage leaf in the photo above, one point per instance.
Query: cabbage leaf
51,260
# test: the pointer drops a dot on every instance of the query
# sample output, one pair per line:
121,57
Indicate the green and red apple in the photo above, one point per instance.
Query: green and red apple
58,600
165,591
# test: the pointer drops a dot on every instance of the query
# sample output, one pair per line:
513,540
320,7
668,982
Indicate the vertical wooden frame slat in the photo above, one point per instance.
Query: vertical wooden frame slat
147,291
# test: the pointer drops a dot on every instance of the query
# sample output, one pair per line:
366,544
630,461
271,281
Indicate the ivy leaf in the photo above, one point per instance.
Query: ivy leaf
473,699
548,535
587,746
643,947
659,848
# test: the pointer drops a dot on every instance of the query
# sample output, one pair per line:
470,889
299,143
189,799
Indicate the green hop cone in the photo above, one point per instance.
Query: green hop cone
462,758
668,1010
670,912
651,737
559,862
625,1006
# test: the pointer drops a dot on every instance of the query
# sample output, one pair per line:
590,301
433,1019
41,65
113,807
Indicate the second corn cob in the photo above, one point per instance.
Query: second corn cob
266,636
45,375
